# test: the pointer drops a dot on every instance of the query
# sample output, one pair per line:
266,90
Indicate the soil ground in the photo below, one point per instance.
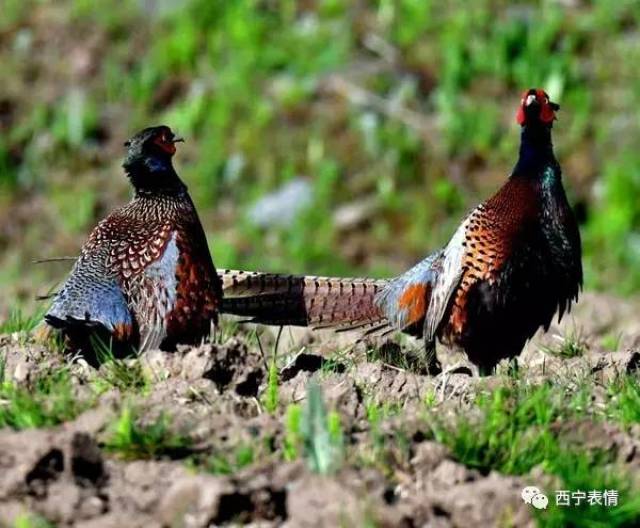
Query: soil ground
217,441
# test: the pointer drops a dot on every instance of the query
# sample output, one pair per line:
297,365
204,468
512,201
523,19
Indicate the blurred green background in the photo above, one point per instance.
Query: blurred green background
393,118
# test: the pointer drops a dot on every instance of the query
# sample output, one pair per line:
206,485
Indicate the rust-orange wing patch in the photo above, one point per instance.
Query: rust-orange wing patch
123,332
413,301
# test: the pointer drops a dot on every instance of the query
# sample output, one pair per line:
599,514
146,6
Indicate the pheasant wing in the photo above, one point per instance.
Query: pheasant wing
406,298
92,297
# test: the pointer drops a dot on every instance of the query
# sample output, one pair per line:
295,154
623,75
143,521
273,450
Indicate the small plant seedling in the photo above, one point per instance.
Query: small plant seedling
225,330
31,520
336,435
293,432
611,341
271,396
322,434
131,439
122,374
227,464
518,431
430,399
570,345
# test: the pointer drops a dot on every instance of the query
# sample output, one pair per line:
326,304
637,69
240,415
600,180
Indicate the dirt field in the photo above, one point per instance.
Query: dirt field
222,434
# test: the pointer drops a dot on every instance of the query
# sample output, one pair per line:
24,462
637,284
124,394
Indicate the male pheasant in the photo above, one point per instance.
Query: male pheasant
144,277
514,261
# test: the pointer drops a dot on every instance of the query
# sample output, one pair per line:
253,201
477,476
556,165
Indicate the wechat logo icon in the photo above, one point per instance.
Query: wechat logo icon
532,495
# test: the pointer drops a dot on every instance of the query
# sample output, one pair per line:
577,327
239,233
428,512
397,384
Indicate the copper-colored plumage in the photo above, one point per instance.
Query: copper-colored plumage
513,262
493,229
320,301
415,299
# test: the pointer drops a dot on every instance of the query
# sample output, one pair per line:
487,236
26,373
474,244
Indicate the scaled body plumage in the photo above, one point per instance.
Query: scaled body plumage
145,276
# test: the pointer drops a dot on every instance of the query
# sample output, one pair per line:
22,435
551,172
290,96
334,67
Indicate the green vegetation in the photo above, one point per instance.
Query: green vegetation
321,433
376,413
400,111
130,438
383,105
270,398
502,439
522,427
125,375
293,432
221,464
560,428
611,341
624,400
578,470
115,373
403,357
30,520
21,323
48,401
573,344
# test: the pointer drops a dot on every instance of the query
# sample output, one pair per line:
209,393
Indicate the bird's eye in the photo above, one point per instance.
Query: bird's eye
127,143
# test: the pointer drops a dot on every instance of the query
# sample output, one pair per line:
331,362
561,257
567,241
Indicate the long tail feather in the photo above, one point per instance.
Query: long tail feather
327,302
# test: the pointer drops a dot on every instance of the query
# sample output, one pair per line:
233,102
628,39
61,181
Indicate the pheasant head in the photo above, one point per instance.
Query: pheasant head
148,160
536,109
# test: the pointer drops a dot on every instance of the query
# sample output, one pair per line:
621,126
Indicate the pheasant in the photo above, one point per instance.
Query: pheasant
514,261
144,277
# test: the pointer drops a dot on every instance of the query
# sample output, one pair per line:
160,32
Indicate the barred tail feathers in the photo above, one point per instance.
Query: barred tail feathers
324,302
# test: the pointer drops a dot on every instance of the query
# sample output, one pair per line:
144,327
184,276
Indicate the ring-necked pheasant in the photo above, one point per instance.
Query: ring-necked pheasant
514,261
145,276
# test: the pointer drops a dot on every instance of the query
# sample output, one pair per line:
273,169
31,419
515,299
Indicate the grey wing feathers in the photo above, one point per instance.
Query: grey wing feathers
424,273
90,296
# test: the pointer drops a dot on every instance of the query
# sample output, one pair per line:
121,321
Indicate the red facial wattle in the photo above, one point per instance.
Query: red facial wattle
521,117
547,114
167,145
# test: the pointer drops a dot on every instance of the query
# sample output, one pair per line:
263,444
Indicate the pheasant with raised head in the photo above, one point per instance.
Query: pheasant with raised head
144,277
511,265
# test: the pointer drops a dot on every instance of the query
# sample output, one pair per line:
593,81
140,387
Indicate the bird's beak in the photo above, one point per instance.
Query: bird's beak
554,106
178,139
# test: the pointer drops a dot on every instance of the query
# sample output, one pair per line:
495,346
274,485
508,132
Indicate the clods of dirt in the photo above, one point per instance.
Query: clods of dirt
231,367
245,462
